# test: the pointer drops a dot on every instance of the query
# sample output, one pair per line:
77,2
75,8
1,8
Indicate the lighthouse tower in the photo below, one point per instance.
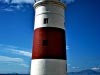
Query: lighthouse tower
49,45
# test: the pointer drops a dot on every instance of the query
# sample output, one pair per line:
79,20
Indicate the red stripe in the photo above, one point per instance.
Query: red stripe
53,48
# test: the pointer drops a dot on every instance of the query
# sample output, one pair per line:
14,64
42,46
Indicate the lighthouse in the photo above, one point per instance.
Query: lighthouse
49,45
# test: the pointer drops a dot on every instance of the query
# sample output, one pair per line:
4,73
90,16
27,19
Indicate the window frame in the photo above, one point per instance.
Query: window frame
45,21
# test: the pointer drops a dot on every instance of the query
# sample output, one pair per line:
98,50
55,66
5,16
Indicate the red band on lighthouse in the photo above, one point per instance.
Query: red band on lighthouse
49,43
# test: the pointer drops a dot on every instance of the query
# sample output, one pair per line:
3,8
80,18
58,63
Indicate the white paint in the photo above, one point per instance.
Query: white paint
48,67
49,8
53,12
53,21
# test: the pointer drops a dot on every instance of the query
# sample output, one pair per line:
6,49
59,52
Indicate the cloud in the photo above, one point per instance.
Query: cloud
21,52
17,1
15,5
25,65
8,9
13,61
10,59
68,64
15,50
4,1
12,5
23,1
67,47
69,1
8,46
95,68
1,45
75,67
30,1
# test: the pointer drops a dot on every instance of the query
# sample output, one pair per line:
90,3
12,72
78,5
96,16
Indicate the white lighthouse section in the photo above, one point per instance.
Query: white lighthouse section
48,67
54,11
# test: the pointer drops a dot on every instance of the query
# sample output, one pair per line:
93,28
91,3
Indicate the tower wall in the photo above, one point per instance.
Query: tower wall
54,13
49,47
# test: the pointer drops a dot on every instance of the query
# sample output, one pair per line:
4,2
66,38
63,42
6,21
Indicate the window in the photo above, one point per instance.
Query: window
45,20
45,42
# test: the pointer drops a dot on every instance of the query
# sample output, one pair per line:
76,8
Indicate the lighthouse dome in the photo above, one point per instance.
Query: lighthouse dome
49,0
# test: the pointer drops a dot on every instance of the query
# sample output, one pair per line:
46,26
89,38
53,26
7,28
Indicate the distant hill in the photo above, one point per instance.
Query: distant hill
85,72
15,74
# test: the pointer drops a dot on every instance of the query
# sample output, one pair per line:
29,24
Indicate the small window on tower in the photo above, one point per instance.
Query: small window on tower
45,42
45,20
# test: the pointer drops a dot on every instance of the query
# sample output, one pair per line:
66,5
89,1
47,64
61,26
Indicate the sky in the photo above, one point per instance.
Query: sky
17,31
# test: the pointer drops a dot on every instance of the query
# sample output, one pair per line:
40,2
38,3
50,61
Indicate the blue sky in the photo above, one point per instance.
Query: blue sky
83,31
16,35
